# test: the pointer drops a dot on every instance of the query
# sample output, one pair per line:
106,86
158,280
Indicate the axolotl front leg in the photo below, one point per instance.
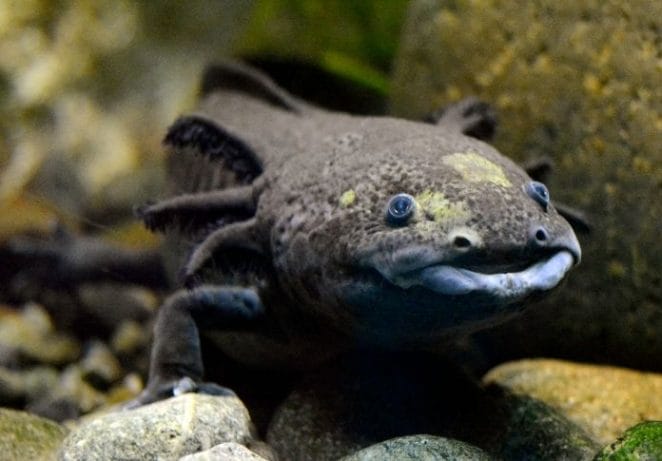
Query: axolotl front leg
176,363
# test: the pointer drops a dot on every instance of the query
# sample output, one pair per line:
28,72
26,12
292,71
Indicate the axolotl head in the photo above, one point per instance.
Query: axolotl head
406,233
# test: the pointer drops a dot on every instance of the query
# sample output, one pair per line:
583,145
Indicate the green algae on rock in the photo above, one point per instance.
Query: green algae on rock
602,400
577,82
24,436
642,442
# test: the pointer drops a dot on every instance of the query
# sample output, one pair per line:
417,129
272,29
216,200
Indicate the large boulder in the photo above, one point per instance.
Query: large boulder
578,82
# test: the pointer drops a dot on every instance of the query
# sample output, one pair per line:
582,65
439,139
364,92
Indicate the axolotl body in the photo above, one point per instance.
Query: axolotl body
302,232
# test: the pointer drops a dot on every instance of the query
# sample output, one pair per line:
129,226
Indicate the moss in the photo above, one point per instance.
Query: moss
642,442
25,436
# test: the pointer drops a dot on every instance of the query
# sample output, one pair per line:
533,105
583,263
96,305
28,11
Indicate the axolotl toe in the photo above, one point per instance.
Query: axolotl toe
300,232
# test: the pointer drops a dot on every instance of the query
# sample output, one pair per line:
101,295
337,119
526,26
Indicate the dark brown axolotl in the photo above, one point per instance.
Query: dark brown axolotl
305,232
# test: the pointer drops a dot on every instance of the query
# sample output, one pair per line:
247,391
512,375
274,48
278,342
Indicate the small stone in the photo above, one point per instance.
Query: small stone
642,442
99,365
29,335
229,451
168,429
420,448
27,437
20,386
603,400
129,338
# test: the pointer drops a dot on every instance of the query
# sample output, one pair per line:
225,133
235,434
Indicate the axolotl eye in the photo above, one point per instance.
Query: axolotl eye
400,209
538,192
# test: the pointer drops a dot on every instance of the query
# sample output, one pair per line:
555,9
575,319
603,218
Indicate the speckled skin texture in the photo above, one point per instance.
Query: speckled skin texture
317,244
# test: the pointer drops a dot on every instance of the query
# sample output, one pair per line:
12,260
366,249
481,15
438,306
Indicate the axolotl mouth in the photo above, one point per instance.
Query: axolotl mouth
416,296
504,280
506,286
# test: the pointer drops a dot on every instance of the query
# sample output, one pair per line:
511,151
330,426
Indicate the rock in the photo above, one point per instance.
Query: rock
29,335
99,366
603,401
578,83
229,451
27,437
530,429
642,442
20,386
363,400
168,429
129,337
420,447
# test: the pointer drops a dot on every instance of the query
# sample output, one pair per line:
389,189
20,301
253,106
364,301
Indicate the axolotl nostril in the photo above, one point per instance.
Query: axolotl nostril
304,232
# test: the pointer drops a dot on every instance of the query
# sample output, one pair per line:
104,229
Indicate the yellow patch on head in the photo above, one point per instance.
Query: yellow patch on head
436,205
347,198
475,168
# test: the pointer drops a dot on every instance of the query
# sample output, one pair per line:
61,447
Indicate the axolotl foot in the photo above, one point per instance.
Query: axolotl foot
173,388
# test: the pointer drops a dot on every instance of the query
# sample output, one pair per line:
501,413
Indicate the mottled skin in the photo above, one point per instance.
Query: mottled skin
293,256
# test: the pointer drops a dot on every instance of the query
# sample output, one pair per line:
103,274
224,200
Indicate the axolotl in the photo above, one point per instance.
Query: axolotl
302,232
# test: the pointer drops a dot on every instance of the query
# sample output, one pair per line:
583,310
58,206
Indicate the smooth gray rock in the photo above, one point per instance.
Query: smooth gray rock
165,430
420,448
229,451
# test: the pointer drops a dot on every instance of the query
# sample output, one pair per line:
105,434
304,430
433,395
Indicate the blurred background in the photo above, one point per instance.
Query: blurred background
88,88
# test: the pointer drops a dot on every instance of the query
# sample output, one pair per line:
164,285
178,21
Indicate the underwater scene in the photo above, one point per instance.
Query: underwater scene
329,230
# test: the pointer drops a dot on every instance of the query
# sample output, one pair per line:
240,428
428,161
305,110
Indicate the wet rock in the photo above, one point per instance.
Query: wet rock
129,337
230,451
28,335
642,442
420,447
530,429
603,400
27,437
168,429
20,386
580,84
72,396
363,400
99,366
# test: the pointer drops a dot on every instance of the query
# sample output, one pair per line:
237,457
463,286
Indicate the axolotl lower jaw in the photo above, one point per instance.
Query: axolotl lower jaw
504,283
437,297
